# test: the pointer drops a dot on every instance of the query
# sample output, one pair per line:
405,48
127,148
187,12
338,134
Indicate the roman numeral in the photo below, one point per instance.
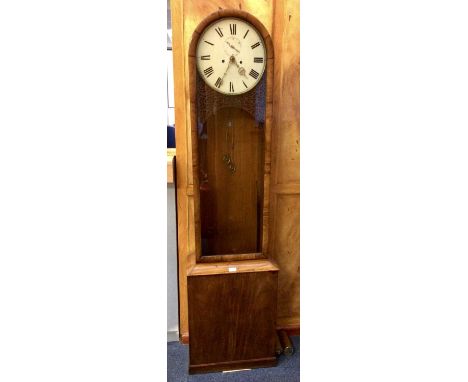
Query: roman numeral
219,31
208,71
232,27
258,59
245,84
218,83
253,74
208,42
246,32
255,45
231,87
208,57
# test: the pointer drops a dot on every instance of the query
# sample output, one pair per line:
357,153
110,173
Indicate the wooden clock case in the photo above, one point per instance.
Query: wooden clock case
232,289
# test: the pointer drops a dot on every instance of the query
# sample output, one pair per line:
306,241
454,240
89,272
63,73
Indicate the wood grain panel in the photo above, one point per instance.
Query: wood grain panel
241,328
285,186
286,254
191,247
286,99
177,14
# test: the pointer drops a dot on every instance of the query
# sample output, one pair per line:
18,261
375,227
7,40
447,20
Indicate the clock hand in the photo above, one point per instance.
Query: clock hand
227,68
241,69
233,47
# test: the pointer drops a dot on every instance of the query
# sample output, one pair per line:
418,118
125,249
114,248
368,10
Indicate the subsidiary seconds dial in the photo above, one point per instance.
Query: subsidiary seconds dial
231,56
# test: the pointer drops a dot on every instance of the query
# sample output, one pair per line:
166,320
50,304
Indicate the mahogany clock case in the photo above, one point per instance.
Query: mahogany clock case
232,287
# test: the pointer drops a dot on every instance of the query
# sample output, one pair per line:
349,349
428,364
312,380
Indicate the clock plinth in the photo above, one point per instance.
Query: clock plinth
232,314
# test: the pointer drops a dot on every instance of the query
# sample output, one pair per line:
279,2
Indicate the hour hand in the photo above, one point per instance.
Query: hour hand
240,68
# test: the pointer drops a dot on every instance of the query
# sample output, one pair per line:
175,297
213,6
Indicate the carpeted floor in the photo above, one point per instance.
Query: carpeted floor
286,371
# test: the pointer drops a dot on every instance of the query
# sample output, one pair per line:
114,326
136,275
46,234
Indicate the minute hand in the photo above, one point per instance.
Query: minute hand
227,68
233,47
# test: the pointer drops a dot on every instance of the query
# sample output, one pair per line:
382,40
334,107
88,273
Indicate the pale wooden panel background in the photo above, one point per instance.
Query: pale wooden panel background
281,19
285,160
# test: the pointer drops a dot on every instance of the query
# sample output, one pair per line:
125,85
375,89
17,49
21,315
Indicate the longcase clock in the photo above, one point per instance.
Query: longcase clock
232,288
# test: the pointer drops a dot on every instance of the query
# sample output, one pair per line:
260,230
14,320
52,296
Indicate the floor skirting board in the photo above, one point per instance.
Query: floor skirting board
291,329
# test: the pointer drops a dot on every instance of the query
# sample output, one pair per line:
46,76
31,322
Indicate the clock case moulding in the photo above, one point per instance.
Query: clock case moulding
232,298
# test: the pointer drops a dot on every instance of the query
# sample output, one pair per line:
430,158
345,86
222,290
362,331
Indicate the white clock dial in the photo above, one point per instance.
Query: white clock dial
231,56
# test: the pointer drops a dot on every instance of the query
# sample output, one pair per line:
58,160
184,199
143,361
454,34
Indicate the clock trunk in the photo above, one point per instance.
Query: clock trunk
230,153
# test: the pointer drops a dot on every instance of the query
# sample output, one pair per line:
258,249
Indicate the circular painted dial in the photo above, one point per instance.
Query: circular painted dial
231,56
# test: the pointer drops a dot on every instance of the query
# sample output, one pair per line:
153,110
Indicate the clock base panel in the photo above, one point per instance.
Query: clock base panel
232,321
